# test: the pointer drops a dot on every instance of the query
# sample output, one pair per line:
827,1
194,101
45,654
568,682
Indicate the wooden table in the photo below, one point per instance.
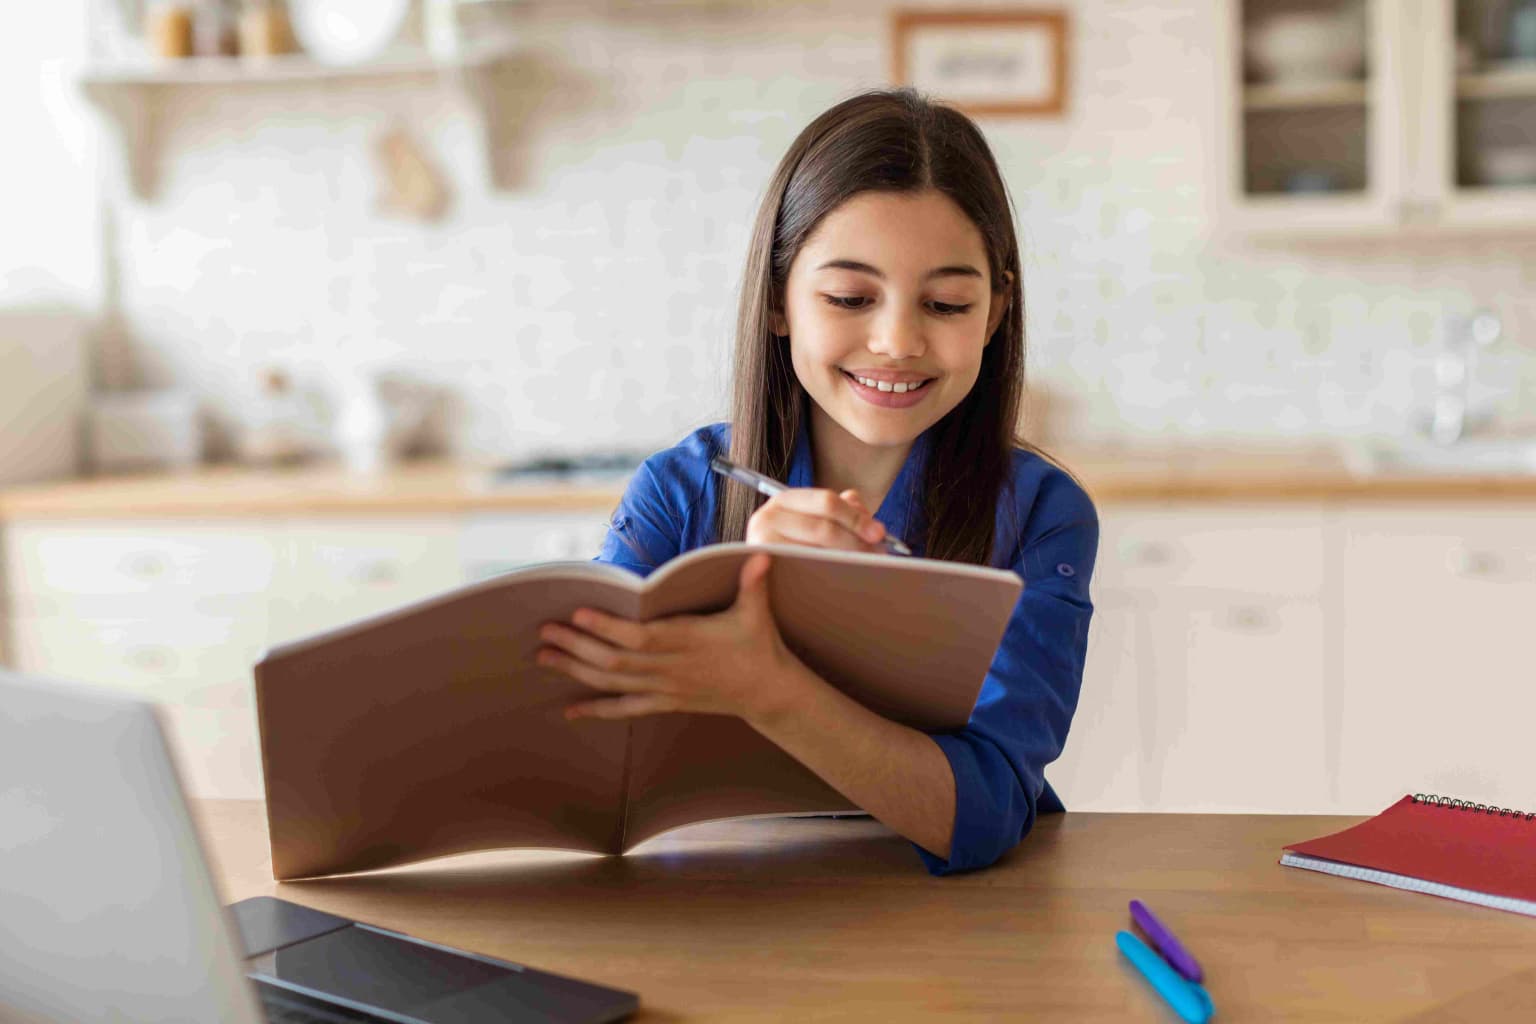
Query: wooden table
795,919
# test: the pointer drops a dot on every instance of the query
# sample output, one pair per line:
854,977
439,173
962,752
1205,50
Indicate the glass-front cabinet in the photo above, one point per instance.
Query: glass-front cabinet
1477,146
1380,117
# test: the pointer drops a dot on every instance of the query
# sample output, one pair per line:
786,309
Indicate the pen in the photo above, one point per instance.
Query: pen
1188,999
769,486
1164,942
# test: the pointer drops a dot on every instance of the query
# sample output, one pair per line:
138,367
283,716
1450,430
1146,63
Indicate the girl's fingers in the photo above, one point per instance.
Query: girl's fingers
582,672
853,498
623,707
791,527
625,633
587,648
793,516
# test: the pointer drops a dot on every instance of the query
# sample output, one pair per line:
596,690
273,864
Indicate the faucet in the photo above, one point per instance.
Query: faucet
1464,335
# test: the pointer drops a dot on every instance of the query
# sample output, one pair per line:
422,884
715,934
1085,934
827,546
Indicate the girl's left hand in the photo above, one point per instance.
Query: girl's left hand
729,663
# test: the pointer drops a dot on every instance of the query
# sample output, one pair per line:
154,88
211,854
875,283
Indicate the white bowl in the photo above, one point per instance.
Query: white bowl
346,31
1307,46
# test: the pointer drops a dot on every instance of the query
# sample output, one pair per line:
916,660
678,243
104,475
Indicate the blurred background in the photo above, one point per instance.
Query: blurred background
310,309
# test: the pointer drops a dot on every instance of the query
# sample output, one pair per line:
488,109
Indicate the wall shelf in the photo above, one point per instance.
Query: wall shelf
1513,78
1302,97
129,92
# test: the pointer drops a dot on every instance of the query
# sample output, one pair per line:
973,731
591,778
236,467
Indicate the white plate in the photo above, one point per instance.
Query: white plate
346,31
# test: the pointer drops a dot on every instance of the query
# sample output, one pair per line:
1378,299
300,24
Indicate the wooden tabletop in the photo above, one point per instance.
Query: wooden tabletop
800,919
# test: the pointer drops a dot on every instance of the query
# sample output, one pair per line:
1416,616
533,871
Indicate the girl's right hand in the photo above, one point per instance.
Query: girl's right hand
817,518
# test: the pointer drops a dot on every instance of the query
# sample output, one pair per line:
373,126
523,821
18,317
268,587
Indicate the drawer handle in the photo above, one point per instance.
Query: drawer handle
151,659
1150,554
1248,618
145,566
376,574
1475,564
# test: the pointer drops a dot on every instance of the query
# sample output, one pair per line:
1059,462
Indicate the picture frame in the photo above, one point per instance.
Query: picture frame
984,62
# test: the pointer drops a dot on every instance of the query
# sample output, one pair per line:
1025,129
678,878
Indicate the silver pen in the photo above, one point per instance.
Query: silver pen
769,486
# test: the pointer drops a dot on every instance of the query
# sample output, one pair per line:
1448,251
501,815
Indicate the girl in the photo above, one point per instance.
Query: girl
879,366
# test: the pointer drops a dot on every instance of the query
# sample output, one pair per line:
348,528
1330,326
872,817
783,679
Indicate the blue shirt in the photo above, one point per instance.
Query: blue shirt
1047,532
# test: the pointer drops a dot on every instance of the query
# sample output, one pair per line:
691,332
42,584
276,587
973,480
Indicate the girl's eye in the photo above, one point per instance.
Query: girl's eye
951,309
847,301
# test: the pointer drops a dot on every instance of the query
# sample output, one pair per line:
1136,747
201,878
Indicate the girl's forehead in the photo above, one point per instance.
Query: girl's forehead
895,227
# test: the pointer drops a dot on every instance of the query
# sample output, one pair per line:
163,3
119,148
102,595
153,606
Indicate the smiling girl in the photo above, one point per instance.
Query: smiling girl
879,371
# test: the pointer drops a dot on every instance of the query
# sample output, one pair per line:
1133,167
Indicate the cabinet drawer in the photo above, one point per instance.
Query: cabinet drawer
139,561
1437,695
187,659
1271,550
494,544
340,572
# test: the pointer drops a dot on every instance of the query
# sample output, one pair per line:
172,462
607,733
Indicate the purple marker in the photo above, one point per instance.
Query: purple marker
1162,939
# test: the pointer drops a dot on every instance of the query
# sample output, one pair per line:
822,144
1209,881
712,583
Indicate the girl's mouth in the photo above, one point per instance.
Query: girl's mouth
888,397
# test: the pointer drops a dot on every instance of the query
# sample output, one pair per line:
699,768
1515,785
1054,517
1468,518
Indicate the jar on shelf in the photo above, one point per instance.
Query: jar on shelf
168,25
264,29
215,31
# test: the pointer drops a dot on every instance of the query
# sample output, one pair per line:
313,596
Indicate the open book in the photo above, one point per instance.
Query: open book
430,730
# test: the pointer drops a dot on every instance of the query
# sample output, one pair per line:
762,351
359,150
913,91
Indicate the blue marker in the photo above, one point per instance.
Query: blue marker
1188,999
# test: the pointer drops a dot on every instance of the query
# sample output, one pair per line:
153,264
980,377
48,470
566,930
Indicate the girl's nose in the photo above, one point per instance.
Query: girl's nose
898,336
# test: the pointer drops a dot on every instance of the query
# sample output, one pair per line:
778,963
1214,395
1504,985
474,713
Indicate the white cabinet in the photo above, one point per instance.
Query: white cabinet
1439,630
1238,705
1469,119
179,612
496,543
173,612
1286,657
80,567
1206,687
339,571
1409,145
1104,764
1308,659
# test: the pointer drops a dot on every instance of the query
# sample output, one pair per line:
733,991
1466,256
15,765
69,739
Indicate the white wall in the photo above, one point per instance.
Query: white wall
48,247
591,302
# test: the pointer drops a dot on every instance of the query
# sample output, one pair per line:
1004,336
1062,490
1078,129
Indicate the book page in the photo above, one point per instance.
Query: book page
911,639
415,735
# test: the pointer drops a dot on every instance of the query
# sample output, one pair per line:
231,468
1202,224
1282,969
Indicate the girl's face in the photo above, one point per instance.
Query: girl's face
893,288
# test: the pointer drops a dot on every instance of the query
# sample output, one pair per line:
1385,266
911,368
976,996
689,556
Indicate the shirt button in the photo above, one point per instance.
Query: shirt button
1065,570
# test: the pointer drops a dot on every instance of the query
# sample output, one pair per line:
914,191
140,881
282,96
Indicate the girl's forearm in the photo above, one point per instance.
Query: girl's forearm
894,772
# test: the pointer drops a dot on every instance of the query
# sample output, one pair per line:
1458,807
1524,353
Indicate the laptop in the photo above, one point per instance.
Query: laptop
108,911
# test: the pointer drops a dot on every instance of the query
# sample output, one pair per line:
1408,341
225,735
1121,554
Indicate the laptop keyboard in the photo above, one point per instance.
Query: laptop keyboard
281,1007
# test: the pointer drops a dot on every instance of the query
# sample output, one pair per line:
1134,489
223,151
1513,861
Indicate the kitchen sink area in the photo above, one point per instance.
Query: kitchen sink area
1500,456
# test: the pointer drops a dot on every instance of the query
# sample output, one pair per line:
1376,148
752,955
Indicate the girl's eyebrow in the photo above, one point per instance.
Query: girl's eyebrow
955,270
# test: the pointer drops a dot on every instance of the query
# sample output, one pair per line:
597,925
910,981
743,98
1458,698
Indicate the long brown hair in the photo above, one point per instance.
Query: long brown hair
887,141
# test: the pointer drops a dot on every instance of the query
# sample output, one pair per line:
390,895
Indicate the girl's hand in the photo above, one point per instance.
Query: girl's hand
817,518
729,663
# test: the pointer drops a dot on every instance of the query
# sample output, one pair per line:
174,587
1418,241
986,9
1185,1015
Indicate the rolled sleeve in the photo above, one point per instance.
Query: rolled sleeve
641,534
659,516
1025,707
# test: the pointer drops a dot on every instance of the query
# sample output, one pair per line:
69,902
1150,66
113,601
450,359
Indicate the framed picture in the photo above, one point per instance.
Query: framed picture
1011,62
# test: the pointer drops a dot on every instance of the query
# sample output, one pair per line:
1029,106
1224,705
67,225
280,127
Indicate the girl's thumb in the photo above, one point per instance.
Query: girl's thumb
754,580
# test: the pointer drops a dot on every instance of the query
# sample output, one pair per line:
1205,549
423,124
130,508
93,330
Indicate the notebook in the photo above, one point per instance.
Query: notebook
1437,845
432,730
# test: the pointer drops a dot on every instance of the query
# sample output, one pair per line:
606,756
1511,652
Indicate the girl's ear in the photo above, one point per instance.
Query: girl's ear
778,324
999,305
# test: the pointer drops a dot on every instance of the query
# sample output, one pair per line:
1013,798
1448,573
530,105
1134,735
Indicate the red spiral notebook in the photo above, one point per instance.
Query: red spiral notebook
1431,844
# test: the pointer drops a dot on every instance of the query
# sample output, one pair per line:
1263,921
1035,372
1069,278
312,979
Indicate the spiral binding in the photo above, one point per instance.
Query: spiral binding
1468,805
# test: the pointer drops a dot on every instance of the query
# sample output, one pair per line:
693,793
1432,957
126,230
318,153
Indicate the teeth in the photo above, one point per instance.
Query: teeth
885,385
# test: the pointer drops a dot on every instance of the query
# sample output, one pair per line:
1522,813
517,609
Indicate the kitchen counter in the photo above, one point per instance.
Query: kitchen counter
1130,473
